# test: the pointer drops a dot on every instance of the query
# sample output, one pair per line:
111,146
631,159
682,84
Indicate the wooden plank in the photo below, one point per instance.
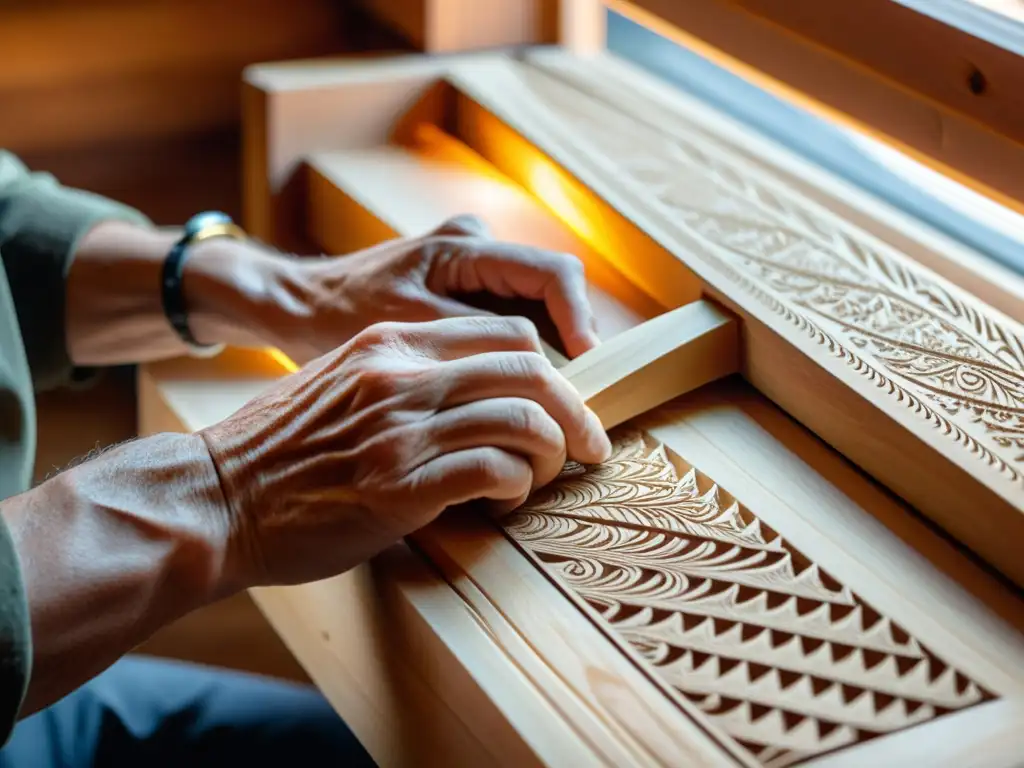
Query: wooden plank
291,110
844,332
628,88
936,60
87,73
665,357
448,26
840,89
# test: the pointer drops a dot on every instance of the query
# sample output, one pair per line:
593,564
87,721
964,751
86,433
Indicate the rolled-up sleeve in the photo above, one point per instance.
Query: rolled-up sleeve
41,222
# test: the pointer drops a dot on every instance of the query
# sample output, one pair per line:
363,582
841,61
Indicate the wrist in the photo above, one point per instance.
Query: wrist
114,548
237,293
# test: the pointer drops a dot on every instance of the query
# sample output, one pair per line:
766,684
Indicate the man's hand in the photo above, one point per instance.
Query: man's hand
374,440
241,294
416,279
335,463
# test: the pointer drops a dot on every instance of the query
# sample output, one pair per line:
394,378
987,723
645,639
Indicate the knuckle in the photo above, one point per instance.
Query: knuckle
522,328
374,383
486,469
378,334
531,419
572,264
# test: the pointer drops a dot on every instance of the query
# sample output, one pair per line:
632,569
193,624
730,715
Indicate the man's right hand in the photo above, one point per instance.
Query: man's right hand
372,441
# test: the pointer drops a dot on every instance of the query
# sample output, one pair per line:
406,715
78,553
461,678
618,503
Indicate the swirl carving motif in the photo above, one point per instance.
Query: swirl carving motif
945,358
786,660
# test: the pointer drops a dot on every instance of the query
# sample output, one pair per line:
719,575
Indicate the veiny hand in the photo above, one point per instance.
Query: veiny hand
375,439
415,279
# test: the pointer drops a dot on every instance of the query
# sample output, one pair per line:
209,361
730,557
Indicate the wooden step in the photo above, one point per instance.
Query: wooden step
912,378
359,198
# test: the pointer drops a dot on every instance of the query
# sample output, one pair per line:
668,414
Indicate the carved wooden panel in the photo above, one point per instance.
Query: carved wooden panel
781,656
945,368
895,325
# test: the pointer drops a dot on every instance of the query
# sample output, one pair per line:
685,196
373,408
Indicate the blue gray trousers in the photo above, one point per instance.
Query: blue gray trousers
150,713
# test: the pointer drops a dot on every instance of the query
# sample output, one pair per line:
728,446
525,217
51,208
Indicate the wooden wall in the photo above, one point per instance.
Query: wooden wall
140,99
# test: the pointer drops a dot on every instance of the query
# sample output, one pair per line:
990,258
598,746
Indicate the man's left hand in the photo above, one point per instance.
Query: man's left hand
323,303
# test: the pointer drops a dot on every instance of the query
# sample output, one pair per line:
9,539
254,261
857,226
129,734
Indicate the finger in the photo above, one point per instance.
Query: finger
455,337
477,473
515,425
528,375
506,269
463,225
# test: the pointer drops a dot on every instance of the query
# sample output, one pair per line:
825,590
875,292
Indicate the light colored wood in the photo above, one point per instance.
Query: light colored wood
448,26
625,87
846,333
721,479
988,736
582,26
646,366
291,110
841,90
706,499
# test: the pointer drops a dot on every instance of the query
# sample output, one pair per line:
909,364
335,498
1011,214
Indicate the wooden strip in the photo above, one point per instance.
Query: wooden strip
627,88
446,26
988,736
644,367
837,88
846,334
353,203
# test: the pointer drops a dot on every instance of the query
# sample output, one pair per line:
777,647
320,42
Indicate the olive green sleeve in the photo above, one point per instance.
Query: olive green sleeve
41,222
15,636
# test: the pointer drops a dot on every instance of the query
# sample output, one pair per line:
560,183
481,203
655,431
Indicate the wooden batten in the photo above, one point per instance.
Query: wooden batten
716,210
728,589
448,26
890,71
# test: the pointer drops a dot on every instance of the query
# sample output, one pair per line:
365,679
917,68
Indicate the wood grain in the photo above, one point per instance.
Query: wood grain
832,85
905,374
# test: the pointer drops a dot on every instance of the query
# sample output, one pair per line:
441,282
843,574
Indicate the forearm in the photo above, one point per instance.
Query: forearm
113,549
114,311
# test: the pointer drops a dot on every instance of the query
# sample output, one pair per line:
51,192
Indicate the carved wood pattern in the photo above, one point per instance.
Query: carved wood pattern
945,358
786,660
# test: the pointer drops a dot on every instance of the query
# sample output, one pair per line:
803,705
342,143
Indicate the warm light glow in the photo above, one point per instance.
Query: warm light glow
283,360
627,248
794,96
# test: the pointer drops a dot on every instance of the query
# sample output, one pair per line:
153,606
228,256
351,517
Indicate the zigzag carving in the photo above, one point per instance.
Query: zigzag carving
771,648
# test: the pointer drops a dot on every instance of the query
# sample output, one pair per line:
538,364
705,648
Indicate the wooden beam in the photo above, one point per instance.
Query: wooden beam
837,326
657,361
974,138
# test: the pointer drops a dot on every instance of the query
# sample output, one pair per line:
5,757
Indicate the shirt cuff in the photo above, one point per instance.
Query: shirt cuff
15,637
46,221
